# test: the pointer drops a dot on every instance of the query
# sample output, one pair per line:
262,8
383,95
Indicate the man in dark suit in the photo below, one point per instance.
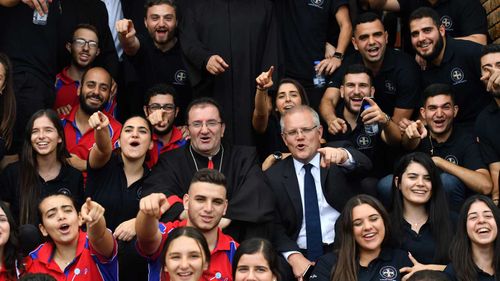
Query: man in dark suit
312,192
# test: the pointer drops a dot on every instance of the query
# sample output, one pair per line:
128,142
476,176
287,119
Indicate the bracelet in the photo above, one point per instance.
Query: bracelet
261,89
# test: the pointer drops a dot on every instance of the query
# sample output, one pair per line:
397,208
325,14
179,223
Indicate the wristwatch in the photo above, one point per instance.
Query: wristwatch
277,155
338,55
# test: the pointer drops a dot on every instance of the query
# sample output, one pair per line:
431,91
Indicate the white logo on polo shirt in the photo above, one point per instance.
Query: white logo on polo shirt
388,273
317,3
181,77
363,141
447,22
457,76
452,158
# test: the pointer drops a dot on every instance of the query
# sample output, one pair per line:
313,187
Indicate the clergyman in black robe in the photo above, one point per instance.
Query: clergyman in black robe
244,34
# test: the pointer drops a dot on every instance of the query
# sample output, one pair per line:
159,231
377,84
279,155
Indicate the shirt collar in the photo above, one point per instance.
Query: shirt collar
299,165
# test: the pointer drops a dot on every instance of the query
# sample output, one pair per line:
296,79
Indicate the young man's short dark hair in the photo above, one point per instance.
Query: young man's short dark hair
357,69
437,89
209,176
151,3
490,49
425,12
160,89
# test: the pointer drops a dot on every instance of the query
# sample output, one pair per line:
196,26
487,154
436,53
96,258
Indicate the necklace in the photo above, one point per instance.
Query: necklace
196,164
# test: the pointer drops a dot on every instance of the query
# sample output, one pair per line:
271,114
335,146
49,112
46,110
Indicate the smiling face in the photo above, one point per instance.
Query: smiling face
4,229
301,135
60,219
427,39
368,228
205,128
83,56
44,137
253,267
184,260
356,86
438,113
94,90
205,203
288,96
481,225
135,138
415,185
489,64
161,23
370,39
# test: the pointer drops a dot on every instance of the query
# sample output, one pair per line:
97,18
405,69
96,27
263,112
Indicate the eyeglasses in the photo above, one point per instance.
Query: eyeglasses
80,42
303,131
210,124
168,107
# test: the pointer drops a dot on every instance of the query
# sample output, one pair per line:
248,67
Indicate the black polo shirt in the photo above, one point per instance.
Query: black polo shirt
487,129
154,66
460,69
385,267
69,181
305,25
481,275
461,148
397,84
108,187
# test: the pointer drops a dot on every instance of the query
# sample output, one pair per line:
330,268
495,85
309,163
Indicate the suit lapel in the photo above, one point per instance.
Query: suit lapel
292,187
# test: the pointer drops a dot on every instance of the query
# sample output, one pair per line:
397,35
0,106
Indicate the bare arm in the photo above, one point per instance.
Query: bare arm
478,180
344,22
478,38
262,108
99,237
146,223
9,3
328,103
101,152
495,171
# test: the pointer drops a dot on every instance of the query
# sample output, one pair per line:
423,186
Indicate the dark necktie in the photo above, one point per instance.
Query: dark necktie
313,222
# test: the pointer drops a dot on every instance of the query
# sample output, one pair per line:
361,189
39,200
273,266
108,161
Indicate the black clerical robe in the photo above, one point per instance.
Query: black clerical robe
244,34
251,201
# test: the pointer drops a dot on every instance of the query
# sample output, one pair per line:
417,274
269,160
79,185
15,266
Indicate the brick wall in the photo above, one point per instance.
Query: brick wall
492,8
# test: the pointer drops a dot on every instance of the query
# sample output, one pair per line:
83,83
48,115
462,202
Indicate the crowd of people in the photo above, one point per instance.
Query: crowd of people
269,140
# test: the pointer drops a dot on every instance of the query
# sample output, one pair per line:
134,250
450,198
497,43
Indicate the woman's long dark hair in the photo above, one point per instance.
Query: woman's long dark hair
347,266
254,246
436,207
300,89
29,167
7,102
461,250
11,255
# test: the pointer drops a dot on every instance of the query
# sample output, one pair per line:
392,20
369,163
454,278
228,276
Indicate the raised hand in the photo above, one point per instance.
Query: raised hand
216,65
154,205
98,120
265,79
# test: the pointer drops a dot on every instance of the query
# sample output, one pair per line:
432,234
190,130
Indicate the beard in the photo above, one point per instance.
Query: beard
436,51
89,110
